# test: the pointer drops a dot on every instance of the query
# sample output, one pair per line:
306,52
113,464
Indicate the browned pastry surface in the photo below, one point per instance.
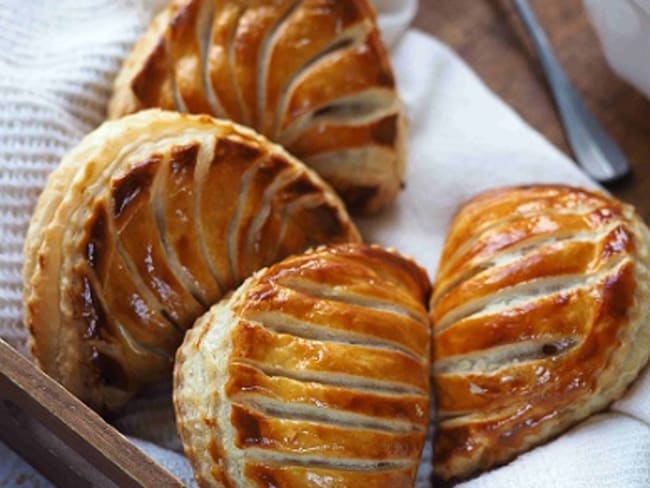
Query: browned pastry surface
541,317
314,373
312,75
143,226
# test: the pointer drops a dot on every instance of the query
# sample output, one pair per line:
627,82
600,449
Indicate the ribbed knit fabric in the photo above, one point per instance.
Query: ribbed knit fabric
57,64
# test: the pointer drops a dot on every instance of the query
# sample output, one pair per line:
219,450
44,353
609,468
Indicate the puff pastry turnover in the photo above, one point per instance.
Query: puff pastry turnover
312,75
541,318
142,227
313,373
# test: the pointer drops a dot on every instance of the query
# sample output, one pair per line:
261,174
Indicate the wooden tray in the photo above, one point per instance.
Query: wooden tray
64,439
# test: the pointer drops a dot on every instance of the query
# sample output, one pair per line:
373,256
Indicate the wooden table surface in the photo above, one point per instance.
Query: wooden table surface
490,37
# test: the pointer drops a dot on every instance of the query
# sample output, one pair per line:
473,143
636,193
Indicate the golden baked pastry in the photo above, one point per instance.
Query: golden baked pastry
541,318
142,227
312,75
314,373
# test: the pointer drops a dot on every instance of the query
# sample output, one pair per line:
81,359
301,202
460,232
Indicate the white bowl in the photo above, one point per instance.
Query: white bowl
624,30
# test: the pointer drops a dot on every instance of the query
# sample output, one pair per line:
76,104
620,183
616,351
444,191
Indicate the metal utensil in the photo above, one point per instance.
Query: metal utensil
596,152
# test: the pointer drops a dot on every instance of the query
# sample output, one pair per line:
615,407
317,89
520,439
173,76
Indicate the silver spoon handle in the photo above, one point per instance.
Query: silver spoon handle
596,152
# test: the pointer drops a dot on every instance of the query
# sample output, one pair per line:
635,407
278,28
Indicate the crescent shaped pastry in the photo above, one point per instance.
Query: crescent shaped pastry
314,373
142,227
312,75
541,318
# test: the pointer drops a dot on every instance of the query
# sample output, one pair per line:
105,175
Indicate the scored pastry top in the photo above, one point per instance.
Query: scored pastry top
541,317
312,75
142,227
315,372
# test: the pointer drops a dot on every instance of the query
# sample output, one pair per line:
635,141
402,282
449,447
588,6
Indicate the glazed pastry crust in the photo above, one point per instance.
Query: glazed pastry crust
541,318
146,223
312,75
313,373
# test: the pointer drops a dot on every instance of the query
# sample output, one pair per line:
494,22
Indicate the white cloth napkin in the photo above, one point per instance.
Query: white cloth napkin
57,62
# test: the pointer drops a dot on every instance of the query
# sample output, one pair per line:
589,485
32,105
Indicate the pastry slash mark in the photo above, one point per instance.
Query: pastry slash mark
126,188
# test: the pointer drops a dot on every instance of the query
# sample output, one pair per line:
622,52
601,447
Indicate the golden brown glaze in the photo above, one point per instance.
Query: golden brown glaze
540,316
312,75
264,475
313,373
159,215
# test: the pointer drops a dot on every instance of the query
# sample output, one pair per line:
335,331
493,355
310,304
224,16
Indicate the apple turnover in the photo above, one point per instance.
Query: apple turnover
314,373
541,318
146,224
312,75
